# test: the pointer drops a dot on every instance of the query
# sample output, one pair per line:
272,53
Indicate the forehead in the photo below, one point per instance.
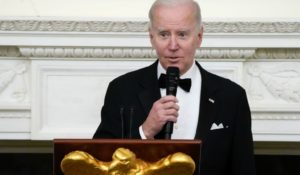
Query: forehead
181,17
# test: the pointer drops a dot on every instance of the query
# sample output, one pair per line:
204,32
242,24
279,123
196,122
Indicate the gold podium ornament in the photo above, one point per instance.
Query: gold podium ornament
124,162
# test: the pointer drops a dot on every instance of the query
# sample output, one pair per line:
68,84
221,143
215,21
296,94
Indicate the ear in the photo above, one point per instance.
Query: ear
151,35
200,35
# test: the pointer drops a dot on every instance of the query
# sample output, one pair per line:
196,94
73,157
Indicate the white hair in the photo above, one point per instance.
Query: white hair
172,3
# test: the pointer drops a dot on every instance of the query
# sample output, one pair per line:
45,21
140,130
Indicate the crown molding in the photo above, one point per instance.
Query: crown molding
132,53
85,53
14,114
9,51
142,26
279,53
275,116
134,34
252,27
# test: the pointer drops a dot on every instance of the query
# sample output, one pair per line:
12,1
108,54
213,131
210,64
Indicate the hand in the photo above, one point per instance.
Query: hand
163,110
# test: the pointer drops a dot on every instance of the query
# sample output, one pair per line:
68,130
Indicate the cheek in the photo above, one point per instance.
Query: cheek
160,48
191,48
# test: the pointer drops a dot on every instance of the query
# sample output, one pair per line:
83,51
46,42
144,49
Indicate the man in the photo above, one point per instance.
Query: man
214,109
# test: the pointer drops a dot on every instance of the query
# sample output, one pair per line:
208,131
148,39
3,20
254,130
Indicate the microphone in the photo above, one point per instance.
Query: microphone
126,122
172,80
122,122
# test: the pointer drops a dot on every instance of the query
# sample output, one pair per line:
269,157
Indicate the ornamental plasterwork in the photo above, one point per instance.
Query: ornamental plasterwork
87,52
252,27
127,53
277,53
275,116
207,53
73,26
14,114
281,81
13,84
9,51
142,26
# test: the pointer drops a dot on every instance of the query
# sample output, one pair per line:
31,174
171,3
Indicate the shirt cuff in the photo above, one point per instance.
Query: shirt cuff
142,133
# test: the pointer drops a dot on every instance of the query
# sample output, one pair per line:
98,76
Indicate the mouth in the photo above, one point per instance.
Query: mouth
173,57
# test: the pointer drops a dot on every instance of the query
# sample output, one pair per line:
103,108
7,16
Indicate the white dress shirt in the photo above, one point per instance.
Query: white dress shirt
189,105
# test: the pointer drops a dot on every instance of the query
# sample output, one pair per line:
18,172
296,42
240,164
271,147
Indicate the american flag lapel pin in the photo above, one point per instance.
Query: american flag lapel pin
211,100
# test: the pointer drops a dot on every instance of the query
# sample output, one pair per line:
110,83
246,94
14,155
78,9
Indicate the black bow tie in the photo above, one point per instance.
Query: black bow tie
185,84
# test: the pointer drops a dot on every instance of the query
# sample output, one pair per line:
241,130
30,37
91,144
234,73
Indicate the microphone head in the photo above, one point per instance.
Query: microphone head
172,69
172,80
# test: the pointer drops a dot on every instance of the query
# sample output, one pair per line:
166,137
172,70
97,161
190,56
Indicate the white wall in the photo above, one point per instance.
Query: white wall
138,9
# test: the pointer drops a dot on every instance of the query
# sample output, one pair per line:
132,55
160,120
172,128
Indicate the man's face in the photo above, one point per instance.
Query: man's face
175,36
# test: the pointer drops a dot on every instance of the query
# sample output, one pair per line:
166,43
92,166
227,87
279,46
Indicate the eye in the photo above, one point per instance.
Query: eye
182,34
163,34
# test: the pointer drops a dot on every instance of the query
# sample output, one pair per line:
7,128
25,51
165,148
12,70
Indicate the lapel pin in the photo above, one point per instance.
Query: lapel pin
211,100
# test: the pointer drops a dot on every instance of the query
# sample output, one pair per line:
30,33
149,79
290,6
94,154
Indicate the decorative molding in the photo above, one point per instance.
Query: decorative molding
8,76
278,53
142,26
225,53
252,27
56,52
73,26
133,52
14,114
276,116
9,51
280,80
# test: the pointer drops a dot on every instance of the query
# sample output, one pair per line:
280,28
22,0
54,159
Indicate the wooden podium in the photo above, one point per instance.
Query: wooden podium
147,150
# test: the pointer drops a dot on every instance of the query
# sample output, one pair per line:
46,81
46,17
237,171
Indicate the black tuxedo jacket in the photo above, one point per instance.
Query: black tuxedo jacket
225,151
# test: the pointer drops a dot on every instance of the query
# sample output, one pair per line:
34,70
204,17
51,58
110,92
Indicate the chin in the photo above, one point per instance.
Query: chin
172,64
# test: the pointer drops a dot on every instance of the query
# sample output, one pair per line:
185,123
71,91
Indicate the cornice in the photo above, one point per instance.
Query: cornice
277,53
252,27
14,114
9,51
141,26
48,52
133,53
275,116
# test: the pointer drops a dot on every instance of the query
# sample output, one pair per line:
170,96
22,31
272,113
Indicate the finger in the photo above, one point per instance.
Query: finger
171,112
168,98
171,118
170,105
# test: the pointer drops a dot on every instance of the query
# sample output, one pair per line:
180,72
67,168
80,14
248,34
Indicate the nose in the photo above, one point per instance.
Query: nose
173,44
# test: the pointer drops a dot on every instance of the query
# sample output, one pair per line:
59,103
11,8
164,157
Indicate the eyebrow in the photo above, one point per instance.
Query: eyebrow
179,30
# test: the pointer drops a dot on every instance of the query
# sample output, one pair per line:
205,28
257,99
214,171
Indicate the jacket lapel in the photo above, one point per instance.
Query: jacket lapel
208,103
149,87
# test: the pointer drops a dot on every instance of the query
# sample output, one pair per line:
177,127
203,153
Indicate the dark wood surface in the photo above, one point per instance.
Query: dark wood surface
102,149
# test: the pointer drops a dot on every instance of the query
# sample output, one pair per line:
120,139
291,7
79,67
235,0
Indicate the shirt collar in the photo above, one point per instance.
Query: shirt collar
189,74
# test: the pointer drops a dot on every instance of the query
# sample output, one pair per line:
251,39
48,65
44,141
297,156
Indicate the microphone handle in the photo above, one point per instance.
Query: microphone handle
171,88
122,122
168,130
